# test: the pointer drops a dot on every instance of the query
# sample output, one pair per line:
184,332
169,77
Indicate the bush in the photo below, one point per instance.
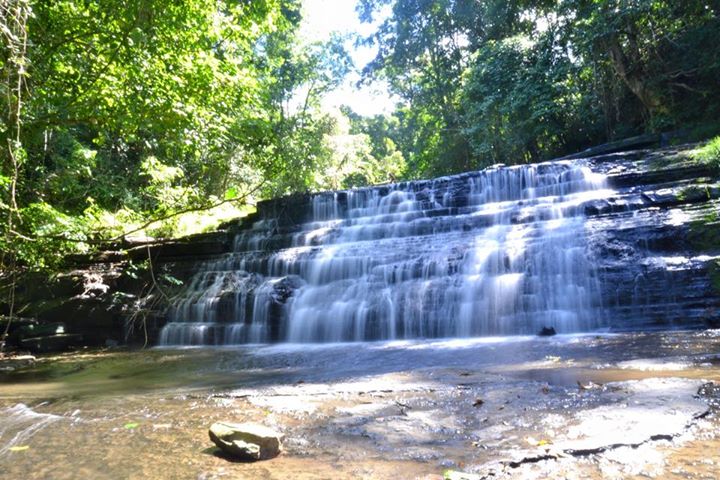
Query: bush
710,153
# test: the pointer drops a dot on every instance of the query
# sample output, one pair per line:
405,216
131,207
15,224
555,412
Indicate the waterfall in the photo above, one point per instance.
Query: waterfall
497,252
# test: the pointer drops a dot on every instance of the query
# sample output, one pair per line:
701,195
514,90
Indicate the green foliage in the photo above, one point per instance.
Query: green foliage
422,55
142,79
293,142
55,233
129,111
709,153
158,110
362,154
525,80
524,101
132,110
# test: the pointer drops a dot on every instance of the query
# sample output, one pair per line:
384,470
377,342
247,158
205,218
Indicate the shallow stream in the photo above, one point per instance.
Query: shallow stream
583,406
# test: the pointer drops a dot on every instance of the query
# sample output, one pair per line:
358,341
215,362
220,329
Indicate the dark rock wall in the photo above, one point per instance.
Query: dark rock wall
657,240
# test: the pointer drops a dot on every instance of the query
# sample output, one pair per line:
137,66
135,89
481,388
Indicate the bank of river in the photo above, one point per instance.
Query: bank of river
591,406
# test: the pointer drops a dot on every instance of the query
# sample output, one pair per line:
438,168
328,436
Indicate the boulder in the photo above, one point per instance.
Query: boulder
547,332
246,441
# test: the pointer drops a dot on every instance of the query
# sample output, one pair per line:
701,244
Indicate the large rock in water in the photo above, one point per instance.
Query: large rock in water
246,441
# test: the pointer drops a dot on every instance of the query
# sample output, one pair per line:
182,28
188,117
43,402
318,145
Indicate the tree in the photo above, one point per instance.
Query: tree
655,48
525,80
13,65
422,51
362,151
141,109
526,101
292,141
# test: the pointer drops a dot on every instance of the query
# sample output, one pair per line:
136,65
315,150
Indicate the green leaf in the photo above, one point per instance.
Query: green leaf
231,193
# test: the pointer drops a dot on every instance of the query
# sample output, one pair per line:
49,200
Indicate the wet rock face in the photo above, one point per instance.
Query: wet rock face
485,253
621,241
81,300
246,441
655,240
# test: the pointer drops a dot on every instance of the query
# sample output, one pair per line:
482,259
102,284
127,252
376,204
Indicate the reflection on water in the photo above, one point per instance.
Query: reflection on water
145,414
164,369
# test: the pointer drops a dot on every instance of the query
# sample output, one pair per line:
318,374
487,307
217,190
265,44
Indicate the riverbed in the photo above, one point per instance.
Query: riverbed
631,405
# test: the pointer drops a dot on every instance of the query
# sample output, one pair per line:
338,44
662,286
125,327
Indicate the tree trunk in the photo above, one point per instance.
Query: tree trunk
633,76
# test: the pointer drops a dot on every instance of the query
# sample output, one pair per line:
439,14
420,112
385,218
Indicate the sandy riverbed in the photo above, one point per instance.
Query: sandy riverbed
591,406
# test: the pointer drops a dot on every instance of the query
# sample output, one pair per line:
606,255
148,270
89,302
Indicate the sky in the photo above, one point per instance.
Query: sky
323,17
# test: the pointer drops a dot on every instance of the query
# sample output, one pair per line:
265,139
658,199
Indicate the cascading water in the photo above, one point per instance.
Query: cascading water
497,252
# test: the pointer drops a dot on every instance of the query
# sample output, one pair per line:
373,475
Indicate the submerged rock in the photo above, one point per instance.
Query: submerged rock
547,332
246,441
13,362
711,393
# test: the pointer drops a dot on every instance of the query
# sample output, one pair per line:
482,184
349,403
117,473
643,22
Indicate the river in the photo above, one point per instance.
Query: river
570,406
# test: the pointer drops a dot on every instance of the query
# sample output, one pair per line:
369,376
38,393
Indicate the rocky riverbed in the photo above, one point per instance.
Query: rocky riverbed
591,406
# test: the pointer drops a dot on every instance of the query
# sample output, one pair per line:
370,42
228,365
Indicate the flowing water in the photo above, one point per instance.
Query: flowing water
451,279
370,410
497,252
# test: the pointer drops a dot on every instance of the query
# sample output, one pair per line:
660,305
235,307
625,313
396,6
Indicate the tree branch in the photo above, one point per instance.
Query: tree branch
95,241
188,210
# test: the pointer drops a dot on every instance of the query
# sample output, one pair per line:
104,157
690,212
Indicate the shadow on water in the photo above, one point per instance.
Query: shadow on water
561,359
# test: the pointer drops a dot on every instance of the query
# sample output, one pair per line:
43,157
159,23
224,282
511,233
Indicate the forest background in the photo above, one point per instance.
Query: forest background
160,118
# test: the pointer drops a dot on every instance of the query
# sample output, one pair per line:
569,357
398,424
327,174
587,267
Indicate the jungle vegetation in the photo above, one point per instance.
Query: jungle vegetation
160,118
